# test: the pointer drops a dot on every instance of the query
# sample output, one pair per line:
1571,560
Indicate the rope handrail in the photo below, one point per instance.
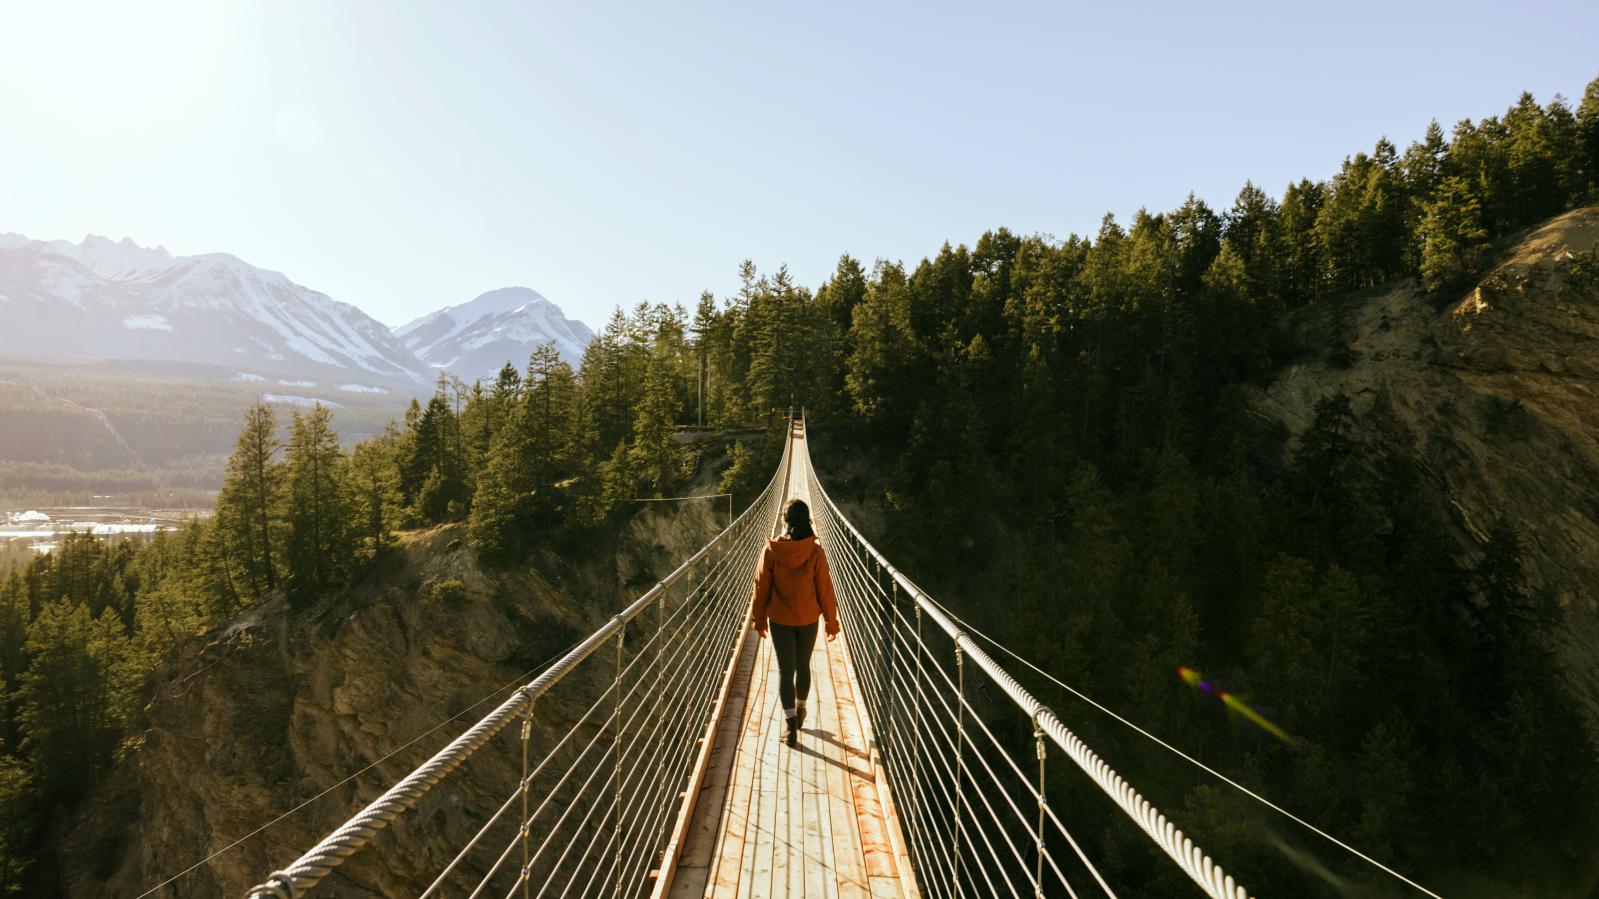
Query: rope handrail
1162,831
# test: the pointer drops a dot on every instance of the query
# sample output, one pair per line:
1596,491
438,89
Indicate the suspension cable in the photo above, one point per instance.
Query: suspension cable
390,754
1188,758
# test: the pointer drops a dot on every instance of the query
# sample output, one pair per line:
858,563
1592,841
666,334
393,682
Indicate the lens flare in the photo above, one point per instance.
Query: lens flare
1307,862
1197,681
1237,705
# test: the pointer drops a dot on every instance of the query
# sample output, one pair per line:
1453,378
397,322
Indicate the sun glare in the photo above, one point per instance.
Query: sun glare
132,72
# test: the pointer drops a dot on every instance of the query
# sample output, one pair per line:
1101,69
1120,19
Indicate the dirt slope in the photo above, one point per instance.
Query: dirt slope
1497,395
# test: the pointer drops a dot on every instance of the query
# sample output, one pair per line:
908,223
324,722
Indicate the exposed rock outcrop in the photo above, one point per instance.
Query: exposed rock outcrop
1497,396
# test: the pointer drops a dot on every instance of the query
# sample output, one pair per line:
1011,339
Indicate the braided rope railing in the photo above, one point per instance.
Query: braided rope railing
902,681
718,601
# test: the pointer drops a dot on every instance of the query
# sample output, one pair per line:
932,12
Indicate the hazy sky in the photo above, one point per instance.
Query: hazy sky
407,156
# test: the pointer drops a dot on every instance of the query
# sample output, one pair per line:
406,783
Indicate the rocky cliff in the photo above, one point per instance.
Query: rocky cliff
269,712
1497,396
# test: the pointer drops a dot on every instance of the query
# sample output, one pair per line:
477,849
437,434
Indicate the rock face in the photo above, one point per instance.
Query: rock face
1497,396
270,714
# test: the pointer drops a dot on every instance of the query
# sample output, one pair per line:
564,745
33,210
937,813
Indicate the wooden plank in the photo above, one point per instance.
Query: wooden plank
794,834
695,839
748,827
875,845
886,888
765,798
844,843
898,847
824,862
724,828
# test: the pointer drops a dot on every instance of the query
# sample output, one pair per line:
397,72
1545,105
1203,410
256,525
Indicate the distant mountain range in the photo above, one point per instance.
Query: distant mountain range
474,339
100,299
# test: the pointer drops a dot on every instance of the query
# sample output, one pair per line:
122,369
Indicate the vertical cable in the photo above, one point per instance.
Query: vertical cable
527,731
616,767
960,759
1038,869
890,670
885,640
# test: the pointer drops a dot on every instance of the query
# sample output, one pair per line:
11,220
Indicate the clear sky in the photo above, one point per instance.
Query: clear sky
407,156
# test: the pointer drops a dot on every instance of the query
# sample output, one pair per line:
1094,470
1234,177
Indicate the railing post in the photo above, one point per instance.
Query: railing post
616,767
1038,869
527,732
960,760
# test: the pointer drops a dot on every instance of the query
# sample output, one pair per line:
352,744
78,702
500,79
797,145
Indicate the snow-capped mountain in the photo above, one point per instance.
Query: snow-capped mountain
104,299
474,339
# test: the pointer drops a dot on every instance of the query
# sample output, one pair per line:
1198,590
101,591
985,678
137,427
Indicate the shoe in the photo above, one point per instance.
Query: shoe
793,732
799,719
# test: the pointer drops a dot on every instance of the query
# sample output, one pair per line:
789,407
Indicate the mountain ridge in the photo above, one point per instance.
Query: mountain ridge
115,299
474,339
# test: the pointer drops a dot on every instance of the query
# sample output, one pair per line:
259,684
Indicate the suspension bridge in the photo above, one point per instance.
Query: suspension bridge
670,779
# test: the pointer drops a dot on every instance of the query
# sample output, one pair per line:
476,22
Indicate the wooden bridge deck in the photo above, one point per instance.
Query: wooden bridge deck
769,821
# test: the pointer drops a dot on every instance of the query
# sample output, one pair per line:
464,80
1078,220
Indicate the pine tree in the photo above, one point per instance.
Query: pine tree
705,318
18,811
64,700
1587,141
1511,611
321,541
504,493
1302,265
434,469
1533,166
379,504
249,507
652,454
550,432
1454,243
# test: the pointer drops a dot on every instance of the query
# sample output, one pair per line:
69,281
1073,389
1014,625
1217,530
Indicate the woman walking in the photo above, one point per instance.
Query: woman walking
793,589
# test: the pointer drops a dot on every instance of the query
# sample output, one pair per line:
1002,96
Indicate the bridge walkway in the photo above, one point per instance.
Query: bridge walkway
814,821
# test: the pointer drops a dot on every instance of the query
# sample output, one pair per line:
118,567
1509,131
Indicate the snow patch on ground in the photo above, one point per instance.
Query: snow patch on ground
147,323
246,376
297,383
289,399
361,388
30,515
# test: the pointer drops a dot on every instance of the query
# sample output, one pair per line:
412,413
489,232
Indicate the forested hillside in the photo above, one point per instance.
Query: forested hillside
1060,439
141,433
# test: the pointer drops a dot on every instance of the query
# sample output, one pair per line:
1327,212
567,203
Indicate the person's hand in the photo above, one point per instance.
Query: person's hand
760,629
832,631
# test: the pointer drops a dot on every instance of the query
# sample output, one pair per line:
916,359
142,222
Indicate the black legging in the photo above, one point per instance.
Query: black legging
793,646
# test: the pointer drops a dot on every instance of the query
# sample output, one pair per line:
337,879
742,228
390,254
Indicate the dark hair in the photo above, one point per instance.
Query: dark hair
797,516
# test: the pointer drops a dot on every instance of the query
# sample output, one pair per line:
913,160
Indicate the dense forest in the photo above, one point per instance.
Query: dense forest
1057,433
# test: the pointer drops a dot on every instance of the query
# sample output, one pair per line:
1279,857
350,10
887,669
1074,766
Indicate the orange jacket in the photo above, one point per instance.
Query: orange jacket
793,586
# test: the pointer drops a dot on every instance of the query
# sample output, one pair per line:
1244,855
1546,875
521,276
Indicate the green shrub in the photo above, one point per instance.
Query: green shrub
452,590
